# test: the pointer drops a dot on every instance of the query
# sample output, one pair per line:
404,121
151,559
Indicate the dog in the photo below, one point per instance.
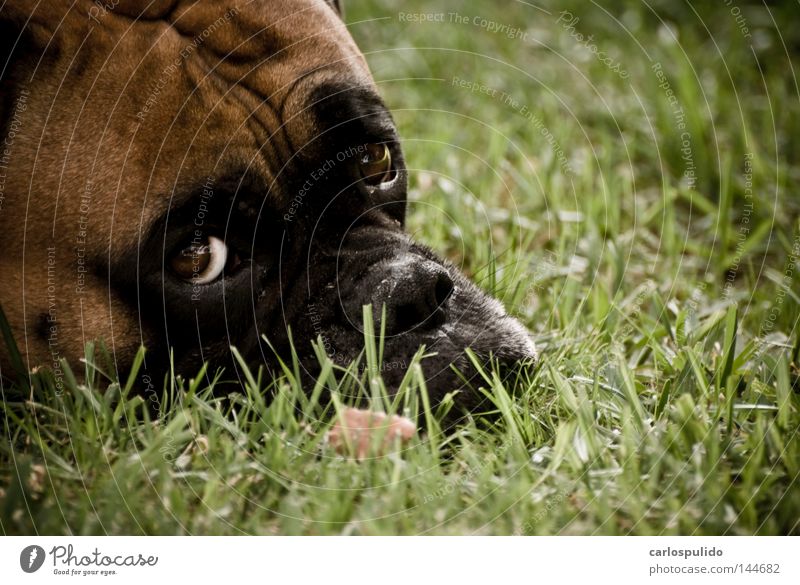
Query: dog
194,175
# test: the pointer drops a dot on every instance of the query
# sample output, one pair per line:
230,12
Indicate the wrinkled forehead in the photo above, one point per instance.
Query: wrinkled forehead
270,48
200,81
308,33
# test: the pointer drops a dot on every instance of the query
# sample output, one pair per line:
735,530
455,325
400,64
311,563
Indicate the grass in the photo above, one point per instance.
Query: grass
663,287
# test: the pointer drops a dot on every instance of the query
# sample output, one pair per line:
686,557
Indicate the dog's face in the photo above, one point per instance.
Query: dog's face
196,175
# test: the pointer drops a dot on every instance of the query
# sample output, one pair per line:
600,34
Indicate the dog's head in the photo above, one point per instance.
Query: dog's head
196,175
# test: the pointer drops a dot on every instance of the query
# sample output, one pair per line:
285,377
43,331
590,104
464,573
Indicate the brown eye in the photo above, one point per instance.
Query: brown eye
375,164
201,261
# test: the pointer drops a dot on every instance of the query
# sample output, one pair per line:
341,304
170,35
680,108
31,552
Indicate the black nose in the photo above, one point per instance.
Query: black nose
415,292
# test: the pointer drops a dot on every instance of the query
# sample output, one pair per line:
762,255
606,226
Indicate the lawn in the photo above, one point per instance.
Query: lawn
625,176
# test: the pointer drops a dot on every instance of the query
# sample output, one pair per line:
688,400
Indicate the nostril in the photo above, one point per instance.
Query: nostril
443,289
415,291
408,316
425,298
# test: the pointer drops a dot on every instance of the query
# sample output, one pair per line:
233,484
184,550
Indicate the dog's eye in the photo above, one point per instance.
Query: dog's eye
201,261
375,164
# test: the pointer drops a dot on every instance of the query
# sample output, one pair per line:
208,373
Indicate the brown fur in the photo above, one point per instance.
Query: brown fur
113,110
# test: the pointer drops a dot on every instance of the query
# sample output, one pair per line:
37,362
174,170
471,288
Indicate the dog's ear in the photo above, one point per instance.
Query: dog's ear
337,6
33,36
27,32
21,38
13,35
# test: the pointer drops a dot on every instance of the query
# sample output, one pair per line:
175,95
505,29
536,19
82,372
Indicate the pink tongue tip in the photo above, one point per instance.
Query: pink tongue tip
357,432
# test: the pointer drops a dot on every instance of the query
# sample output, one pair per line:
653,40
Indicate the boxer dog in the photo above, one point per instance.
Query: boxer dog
195,175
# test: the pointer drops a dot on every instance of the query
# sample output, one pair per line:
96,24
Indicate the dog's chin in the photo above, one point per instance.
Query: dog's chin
456,362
